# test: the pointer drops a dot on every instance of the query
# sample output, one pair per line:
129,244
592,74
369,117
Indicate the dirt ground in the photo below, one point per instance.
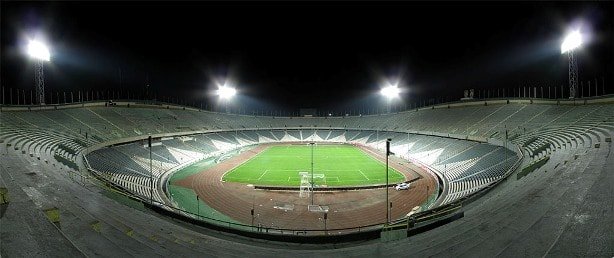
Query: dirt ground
286,210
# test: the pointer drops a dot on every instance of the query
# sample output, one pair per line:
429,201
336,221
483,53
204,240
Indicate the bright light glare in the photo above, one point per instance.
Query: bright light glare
390,91
572,41
226,92
38,50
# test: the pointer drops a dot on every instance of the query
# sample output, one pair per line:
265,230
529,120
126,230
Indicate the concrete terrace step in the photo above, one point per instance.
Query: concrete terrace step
77,223
519,210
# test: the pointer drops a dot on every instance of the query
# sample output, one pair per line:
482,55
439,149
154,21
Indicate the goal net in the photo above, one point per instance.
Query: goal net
305,186
319,180
317,208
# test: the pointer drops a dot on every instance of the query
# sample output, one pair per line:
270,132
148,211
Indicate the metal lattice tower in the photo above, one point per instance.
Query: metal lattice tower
573,74
39,78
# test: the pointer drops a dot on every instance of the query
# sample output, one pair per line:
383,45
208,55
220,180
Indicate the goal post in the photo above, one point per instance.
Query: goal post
317,208
319,180
305,186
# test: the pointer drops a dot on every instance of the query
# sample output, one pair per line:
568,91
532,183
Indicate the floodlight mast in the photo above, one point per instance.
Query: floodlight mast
390,92
40,53
572,42
39,78
573,74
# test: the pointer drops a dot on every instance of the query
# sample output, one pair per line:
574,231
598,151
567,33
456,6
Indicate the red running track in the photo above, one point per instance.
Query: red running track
347,209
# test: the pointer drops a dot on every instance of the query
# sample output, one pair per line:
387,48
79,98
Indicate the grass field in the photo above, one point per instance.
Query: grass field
342,165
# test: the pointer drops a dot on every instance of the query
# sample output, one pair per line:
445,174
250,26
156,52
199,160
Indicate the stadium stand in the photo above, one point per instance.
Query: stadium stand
473,146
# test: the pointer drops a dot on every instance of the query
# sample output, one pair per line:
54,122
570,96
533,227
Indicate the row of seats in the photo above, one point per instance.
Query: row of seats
539,129
479,121
465,164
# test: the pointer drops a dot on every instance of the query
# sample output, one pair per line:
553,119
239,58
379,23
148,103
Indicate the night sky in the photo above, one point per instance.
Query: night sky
285,56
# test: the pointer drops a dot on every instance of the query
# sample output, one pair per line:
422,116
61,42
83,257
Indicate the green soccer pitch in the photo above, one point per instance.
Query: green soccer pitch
342,165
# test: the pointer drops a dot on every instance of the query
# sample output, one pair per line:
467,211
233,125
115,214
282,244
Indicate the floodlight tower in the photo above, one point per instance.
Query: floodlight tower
40,53
226,93
572,42
390,91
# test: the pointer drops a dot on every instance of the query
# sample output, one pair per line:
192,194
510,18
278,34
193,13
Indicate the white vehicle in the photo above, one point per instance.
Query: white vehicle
402,186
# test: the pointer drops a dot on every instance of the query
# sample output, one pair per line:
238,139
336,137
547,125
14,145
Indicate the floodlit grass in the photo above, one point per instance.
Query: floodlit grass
342,165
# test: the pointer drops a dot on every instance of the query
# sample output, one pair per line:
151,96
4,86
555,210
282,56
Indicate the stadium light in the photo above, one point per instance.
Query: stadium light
390,91
226,92
40,53
572,41
38,50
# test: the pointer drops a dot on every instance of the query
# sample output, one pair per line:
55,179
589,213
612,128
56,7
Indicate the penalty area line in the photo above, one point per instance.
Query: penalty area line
263,174
363,174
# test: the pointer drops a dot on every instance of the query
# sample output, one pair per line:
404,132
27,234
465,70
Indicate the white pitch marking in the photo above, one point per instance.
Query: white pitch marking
263,174
363,174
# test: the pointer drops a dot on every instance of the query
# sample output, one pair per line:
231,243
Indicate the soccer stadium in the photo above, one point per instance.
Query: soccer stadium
102,173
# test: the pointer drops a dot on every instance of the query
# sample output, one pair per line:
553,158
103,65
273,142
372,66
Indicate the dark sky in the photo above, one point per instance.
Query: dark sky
331,56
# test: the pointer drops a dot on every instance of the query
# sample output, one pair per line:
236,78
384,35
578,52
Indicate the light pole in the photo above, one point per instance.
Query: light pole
40,53
572,42
150,173
505,143
325,218
387,155
312,183
253,206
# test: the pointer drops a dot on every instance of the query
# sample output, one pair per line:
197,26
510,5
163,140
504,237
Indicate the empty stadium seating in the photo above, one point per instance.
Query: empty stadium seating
467,165
559,196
